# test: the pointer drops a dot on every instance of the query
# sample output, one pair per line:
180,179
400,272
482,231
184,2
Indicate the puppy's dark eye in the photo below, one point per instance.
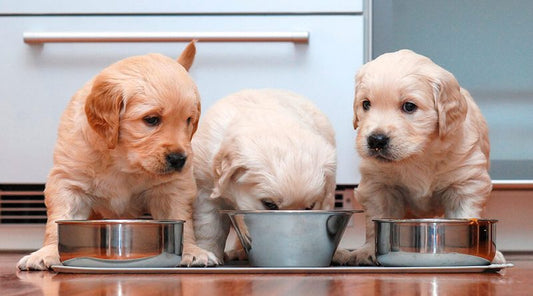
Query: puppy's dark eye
409,107
311,207
152,120
269,204
366,105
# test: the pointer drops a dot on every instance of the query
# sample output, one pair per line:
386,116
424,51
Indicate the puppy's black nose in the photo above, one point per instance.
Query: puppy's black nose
176,160
377,141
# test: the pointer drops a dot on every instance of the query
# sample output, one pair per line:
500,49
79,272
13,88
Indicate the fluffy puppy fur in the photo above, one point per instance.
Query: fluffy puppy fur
123,149
257,150
423,143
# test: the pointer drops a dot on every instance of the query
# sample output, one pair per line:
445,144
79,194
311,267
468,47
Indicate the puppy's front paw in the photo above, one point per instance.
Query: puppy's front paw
341,257
366,255
41,259
195,256
235,254
498,258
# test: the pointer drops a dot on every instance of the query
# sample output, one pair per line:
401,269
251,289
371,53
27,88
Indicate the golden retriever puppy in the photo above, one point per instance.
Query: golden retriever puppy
260,150
423,143
123,149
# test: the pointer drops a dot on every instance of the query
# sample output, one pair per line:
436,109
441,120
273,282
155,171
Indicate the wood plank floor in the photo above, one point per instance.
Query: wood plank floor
512,281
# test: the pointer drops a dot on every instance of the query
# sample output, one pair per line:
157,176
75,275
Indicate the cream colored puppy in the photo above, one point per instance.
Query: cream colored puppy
423,143
260,150
123,149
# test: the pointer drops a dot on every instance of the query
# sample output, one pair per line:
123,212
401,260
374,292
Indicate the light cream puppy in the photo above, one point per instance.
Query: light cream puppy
423,143
123,149
257,150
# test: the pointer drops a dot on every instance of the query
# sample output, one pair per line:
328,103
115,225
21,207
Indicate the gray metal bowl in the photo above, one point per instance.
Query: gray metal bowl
120,243
435,242
288,238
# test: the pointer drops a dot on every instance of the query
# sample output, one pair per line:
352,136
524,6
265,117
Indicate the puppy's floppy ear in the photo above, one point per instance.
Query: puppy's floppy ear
331,183
227,168
187,56
102,109
450,103
196,119
358,84
355,120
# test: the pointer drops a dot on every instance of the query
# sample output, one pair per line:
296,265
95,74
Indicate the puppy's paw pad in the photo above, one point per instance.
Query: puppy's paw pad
186,260
363,257
234,255
200,258
41,259
23,263
341,257
498,258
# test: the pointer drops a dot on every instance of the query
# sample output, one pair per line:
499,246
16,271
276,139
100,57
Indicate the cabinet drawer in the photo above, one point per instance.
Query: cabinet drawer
39,79
172,6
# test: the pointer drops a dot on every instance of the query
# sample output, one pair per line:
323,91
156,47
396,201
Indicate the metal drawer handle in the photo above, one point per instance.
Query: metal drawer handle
512,184
64,37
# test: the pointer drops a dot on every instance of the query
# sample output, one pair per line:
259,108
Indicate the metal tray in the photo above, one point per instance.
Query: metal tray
285,270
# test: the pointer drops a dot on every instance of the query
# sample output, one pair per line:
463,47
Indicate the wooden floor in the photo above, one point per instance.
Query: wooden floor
512,281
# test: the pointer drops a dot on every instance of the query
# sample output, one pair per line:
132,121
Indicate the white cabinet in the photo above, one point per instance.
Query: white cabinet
174,6
39,79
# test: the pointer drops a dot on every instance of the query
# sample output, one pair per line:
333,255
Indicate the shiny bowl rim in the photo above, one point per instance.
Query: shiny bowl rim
288,212
119,221
441,221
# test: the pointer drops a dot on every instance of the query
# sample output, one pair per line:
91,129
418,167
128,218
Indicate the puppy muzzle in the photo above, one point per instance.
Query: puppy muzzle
175,161
378,146
378,142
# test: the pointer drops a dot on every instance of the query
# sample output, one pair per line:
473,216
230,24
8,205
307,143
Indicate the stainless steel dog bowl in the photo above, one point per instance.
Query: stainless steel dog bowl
120,243
290,238
435,242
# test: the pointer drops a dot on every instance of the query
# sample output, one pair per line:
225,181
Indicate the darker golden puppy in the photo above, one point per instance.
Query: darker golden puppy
124,148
